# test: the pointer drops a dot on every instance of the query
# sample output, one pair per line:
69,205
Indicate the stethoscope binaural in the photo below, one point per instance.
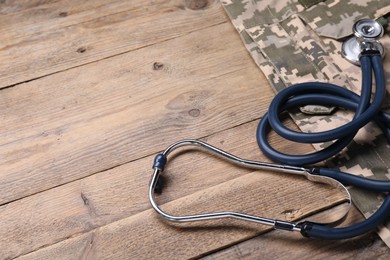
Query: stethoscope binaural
369,52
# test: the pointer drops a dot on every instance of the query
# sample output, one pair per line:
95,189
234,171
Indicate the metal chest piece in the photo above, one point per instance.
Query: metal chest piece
367,32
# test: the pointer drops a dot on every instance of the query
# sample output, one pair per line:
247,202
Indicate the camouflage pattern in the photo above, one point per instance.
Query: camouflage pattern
294,41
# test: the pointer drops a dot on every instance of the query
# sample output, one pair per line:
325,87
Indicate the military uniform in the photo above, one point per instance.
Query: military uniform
294,41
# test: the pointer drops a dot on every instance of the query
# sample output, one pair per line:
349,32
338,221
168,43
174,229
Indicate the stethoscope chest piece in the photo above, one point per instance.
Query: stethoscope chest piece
366,32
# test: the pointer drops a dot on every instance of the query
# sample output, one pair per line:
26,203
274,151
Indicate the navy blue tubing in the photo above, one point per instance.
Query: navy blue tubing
354,180
317,93
309,229
327,232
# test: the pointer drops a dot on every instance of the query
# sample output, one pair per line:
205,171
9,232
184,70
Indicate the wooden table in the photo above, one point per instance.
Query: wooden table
92,90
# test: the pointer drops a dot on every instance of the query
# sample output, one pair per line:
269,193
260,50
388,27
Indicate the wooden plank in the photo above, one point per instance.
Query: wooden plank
90,122
84,205
79,122
9,7
284,245
21,19
254,193
123,26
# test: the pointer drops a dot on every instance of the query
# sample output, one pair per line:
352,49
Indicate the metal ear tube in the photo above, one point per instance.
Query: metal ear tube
162,159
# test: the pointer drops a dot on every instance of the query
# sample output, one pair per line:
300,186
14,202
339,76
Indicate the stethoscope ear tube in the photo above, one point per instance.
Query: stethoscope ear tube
311,174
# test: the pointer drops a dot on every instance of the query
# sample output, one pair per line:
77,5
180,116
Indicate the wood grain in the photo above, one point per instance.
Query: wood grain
79,122
104,86
97,31
118,193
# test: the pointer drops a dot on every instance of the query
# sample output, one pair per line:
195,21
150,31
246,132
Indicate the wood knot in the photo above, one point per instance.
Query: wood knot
85,199
63,14
291,214
81,50
158,66
197,4
194,112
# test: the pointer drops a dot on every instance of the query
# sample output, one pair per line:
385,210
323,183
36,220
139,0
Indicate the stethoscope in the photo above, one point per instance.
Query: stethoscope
368,51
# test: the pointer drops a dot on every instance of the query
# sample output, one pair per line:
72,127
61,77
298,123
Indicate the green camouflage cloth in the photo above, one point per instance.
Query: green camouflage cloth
294,41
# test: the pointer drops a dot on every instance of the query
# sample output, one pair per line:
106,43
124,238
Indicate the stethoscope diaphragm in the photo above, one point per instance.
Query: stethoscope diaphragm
366,34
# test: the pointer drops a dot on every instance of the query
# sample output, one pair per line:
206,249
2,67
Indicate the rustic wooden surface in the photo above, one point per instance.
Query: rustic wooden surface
92,90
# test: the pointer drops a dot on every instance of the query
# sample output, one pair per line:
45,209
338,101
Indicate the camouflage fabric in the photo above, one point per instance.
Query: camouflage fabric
294,41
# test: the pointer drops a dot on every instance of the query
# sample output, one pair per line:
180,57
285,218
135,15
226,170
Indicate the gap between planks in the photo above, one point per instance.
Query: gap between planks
127,162
83,130
58,49
108,57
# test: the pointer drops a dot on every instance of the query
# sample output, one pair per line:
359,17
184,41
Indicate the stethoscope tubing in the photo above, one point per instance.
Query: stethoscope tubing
329,95
317,93
330,233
